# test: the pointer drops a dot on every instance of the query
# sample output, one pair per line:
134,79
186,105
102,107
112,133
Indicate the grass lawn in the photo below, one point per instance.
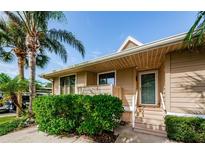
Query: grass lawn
6,119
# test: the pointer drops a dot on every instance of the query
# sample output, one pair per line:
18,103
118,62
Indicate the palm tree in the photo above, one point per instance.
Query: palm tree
38,34
195,36
11,87
12,43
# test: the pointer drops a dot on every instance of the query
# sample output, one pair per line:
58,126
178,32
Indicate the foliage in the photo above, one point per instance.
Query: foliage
9,126
51,40
185,129
11,87
195,36
77,113
12,43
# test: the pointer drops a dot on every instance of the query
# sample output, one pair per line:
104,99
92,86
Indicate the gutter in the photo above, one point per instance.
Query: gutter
140,49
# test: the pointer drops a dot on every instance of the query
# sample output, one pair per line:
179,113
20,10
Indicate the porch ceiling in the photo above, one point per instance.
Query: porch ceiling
147,59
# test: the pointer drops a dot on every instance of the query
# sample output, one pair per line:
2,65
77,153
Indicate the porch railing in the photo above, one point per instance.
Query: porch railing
101,89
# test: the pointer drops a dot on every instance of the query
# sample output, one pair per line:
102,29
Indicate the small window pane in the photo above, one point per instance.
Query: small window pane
67,84
108,78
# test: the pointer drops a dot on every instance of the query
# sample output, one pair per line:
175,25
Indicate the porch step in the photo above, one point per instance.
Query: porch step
150,131
149,121
158,130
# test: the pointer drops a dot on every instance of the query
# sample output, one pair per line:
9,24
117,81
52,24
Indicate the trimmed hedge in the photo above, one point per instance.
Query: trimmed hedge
185,129
77,113
11,125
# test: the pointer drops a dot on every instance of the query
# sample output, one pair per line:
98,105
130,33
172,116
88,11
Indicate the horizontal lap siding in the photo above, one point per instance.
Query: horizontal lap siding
126,80
56,85
187,82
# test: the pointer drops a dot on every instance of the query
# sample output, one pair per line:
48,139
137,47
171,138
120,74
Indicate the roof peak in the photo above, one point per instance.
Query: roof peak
127,40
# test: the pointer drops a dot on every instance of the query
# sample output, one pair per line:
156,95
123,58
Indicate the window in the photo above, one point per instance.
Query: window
67,84
148,88
107,78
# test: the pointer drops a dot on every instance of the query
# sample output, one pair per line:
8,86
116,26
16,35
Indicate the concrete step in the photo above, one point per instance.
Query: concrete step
149,121
150,116
160,133
150,126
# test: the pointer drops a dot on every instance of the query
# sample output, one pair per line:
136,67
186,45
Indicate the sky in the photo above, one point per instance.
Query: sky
103,33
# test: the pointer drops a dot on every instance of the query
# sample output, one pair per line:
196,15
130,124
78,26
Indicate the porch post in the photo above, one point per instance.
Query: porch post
133,111
111,89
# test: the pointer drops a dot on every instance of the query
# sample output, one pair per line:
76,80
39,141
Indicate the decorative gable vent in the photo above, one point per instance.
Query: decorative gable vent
130,42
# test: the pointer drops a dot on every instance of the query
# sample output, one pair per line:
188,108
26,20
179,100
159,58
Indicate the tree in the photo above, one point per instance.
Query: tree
38,34
195,36
11,87
12,44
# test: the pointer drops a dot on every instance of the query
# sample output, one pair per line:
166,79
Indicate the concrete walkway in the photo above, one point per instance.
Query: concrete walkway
32,135
7,114
127,135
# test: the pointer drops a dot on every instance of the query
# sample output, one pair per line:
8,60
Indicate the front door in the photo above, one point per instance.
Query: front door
148,87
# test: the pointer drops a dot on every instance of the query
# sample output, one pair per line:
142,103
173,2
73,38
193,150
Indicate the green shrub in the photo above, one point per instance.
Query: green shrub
77,113
11,125
103,112
185,129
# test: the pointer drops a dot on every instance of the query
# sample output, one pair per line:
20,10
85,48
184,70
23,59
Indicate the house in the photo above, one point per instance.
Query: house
152,80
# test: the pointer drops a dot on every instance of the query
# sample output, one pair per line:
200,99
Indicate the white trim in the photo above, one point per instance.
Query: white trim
113,71
76,88
156,85
186,115
129,38
139,49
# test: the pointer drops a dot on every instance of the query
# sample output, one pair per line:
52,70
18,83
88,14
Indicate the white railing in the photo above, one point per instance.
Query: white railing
96,90
134,108
163,104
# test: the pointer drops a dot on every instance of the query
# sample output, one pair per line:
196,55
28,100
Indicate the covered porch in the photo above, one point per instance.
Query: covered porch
135,75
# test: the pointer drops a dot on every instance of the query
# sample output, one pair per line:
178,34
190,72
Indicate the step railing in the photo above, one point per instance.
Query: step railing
134,108
163,104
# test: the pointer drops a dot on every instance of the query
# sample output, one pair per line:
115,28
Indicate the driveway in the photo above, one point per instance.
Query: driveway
32,135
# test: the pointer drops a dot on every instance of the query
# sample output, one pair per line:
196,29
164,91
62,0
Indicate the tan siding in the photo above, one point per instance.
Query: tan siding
91,78
187,82
161,80
126,79
130,44
81,79
56,86
167,83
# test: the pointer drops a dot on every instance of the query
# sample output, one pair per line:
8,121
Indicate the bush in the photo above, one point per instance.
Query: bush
11,125
185,129
77,113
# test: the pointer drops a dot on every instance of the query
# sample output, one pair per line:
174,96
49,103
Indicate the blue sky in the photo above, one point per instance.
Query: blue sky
103,32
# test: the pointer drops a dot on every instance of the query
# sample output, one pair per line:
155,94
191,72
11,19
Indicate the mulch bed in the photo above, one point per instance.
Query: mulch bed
105,137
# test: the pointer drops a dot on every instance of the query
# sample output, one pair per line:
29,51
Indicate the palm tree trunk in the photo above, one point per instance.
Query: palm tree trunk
21,76
32,87
15,101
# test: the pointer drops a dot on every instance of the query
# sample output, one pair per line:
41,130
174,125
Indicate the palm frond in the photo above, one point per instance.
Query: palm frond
195,36
14,17
42,60
56,47
67,37
6,56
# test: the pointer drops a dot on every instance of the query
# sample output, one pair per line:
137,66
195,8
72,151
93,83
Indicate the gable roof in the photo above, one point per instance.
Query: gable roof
127,41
